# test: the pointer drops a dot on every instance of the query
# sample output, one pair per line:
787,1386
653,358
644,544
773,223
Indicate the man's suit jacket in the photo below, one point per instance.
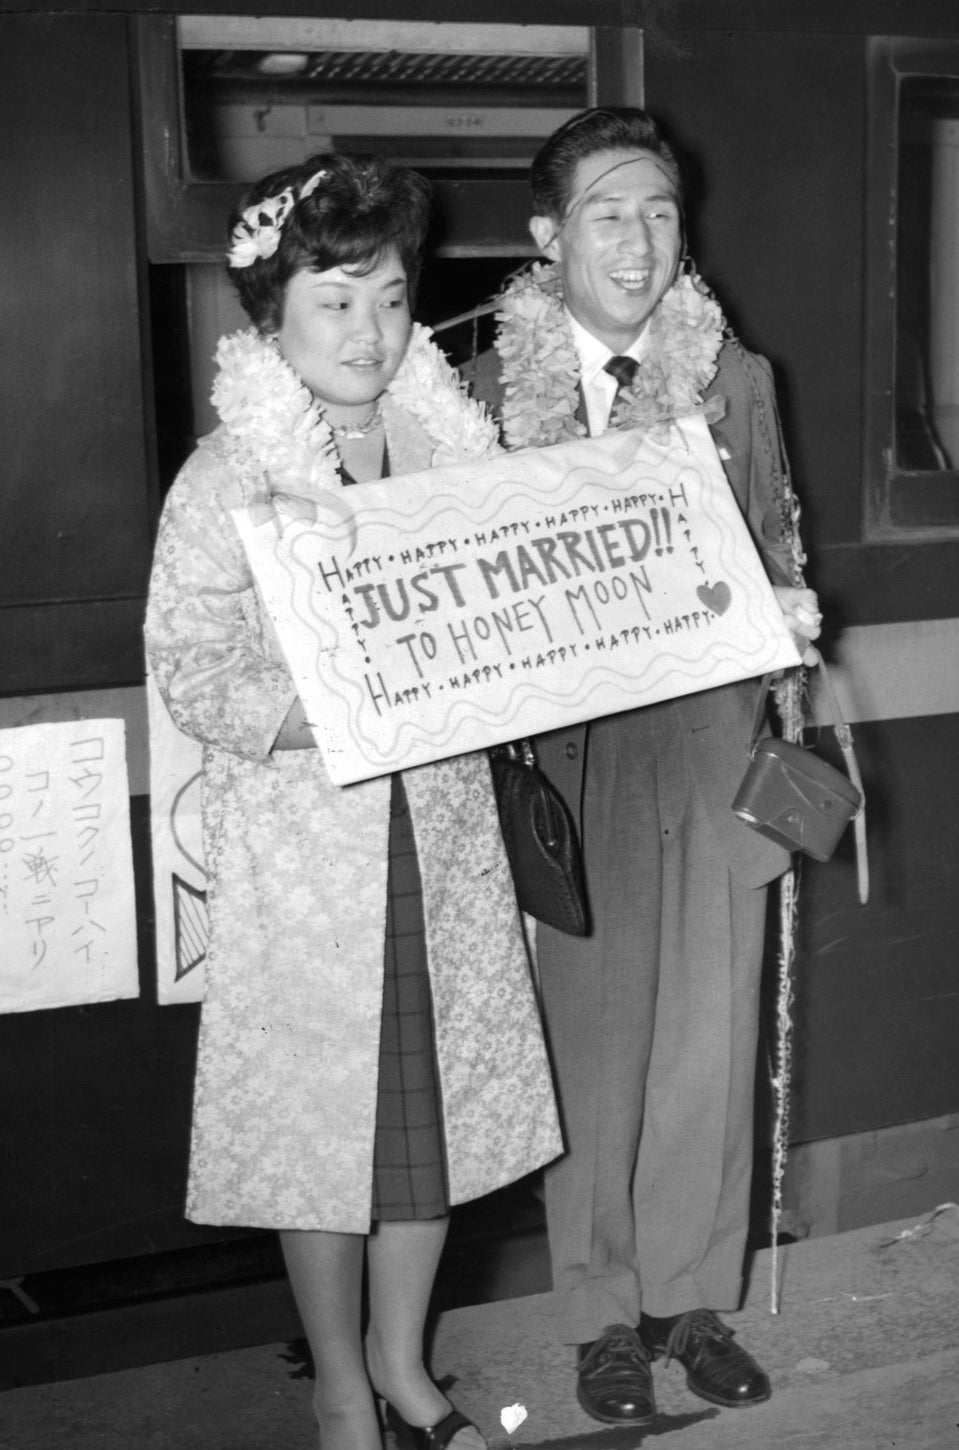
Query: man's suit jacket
718,721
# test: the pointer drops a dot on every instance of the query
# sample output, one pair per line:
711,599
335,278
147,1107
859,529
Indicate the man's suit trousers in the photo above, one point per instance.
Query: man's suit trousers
652,1024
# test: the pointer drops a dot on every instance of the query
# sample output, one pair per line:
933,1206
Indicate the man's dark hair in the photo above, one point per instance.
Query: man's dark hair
603,128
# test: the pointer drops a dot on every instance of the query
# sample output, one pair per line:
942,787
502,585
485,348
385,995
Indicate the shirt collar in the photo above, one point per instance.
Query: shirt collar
594,355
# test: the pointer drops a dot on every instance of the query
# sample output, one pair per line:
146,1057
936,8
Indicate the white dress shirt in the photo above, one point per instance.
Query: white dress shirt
599,388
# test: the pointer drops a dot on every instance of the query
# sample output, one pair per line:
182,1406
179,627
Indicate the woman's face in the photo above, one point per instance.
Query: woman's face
345,333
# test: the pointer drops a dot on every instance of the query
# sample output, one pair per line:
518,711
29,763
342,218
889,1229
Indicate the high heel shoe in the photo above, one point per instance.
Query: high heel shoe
425,1437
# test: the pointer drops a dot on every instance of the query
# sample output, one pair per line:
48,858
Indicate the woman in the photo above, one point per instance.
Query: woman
369,1051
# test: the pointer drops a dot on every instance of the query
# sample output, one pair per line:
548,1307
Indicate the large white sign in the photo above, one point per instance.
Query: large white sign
67,915
454,609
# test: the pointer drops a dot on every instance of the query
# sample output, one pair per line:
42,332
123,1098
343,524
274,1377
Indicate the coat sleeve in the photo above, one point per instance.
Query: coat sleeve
770,514
205,637
750,439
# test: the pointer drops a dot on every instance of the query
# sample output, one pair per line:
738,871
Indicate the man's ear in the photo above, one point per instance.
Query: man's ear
545,232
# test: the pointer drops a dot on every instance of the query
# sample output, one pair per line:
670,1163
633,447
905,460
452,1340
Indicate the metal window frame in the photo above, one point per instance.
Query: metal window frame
900,505
184,220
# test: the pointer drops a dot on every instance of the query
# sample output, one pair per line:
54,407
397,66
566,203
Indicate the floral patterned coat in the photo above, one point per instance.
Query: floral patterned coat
286,1082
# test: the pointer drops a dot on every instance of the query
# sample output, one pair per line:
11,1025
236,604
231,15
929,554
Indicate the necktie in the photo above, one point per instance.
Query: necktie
623,369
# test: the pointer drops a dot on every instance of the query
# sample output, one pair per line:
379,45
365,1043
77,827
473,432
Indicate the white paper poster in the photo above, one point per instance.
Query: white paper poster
67,905
179,881
450,610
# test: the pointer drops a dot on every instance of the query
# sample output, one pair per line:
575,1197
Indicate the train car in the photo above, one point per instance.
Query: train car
823,148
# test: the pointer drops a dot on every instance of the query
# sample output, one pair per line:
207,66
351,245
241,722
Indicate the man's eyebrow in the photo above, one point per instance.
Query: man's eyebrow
601,196
604,197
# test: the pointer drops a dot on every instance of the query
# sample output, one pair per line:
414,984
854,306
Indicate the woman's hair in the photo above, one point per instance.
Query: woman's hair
334,211
604,128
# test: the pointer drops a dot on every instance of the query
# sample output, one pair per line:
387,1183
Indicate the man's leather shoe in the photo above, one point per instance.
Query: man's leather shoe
717,1368
615,1384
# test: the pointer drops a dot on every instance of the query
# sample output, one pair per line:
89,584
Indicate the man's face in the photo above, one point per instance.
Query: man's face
620,245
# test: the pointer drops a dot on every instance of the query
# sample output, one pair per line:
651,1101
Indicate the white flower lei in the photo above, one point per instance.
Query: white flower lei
541,365
277,427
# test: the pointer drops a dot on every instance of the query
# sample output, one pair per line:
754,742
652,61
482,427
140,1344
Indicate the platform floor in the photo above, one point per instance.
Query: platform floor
863,1354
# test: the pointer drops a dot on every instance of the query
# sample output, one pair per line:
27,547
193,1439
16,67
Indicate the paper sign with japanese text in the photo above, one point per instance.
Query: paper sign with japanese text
454,609
67,904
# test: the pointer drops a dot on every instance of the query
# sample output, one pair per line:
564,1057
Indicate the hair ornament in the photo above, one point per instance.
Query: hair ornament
257,233
308,187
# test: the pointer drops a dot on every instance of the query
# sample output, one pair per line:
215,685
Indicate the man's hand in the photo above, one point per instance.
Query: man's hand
800,609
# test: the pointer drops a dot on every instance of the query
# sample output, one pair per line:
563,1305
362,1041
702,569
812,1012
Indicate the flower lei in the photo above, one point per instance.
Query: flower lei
277,428
541,366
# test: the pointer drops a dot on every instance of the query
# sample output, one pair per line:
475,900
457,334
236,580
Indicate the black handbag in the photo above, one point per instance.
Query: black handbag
540,839
798,800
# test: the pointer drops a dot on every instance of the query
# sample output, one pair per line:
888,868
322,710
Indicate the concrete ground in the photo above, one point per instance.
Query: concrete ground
863,1355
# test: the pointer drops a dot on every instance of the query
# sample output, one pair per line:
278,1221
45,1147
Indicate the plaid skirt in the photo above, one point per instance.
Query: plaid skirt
409,1159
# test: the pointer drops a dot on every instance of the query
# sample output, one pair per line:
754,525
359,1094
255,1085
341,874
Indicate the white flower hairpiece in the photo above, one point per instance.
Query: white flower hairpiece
257,233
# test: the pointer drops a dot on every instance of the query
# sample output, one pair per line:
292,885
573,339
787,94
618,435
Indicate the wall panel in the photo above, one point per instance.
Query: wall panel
74,507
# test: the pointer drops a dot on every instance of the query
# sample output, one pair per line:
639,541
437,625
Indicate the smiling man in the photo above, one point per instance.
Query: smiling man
618,243
653,1019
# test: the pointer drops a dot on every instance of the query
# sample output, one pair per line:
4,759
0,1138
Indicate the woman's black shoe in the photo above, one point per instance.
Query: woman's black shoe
426,1437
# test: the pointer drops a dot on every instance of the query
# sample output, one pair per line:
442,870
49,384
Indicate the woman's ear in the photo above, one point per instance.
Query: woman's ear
545,232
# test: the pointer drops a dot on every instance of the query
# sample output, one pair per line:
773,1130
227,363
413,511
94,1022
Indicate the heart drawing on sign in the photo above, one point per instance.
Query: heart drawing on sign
716,597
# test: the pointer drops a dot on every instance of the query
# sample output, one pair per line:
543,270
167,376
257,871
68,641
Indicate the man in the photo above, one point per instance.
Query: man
653,1019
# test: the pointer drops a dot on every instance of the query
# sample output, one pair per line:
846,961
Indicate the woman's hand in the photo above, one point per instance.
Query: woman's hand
800,609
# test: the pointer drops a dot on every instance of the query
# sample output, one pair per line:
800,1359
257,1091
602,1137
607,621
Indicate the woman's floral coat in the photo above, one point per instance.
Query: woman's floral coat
285,1095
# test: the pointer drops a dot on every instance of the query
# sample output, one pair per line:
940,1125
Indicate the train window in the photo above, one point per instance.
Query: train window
912,407
448,99
927,276
224,99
